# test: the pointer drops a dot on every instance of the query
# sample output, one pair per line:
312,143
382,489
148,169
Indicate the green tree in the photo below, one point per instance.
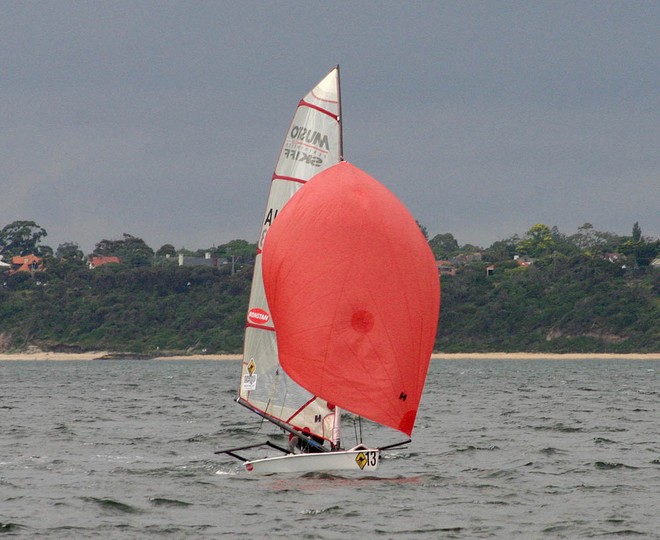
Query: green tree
23,238
537,241
642,250
131,250
165,250
424,230
562,243
503,250
588,240
236,251
69,251
443,245
607,241
470,248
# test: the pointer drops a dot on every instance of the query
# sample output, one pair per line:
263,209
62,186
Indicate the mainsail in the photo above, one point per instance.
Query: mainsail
312,144
355,296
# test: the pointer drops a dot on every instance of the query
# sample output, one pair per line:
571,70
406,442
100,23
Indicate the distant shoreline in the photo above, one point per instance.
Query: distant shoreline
105,356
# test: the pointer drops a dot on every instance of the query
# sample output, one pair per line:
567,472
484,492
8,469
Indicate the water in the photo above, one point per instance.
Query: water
501,449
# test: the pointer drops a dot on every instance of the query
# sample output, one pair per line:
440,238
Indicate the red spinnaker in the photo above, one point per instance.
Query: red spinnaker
354,294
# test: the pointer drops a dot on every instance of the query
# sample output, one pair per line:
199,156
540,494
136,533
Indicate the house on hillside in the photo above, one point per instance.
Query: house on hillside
523,260
208,260
446,268
97,261
26,263
467,258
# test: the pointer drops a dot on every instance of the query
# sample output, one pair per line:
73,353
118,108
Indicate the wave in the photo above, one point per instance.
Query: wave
317,511
551,451
472,448
607,465
559,427
602,440
113,506
187,470
10,527
610,429
425,531
161,501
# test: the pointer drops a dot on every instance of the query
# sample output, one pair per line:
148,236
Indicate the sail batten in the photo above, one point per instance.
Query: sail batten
290,179
303,103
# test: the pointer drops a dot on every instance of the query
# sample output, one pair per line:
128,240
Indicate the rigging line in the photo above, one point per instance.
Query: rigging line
360,424
263,418
273,391
339,118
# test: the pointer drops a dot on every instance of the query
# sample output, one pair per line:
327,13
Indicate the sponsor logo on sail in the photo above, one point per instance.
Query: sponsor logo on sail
271,214
298,155
258,316
313,137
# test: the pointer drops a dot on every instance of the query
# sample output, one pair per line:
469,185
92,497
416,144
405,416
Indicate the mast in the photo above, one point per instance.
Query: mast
336,429
340,120
336,426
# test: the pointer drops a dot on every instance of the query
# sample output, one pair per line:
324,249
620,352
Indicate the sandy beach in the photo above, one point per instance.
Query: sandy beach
99,355
546,356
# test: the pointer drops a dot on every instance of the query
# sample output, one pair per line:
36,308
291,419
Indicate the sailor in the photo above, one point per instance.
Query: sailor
298,445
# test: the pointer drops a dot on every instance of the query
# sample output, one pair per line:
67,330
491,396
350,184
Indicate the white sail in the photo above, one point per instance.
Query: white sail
312,144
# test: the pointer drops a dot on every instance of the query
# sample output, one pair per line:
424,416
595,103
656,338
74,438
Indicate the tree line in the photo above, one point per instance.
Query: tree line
25,237
587,292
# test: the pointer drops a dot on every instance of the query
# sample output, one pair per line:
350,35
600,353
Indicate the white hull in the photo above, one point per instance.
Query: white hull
357,459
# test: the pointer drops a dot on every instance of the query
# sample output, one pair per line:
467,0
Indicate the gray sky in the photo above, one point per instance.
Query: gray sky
164,119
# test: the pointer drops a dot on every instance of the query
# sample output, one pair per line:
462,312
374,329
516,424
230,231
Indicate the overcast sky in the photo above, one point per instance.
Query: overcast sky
164,119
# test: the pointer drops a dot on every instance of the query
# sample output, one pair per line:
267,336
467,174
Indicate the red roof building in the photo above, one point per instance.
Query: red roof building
100,261
26,263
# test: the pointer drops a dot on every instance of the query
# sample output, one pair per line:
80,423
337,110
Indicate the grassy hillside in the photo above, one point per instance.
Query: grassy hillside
125,309
559,304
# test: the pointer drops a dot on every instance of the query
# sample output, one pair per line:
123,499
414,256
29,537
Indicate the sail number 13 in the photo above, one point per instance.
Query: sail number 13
367,459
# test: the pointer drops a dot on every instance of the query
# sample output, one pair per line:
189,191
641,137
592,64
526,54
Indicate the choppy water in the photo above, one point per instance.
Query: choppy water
501,449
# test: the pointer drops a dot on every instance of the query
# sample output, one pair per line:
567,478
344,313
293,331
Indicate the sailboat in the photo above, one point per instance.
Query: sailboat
344,303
